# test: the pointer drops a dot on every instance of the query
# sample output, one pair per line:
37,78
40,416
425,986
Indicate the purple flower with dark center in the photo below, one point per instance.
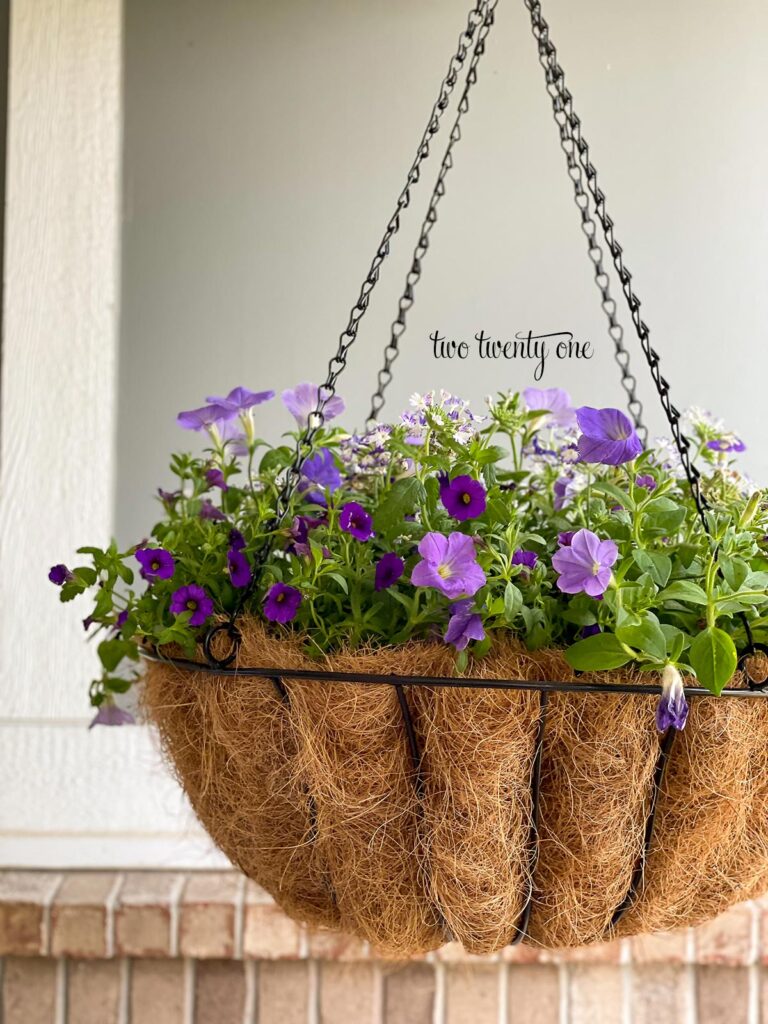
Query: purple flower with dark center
389,569
194,599
727,444
607,436
554,401
585,565
321,470
239,568
464,625
236,540
463,497
60,574
646,481
449,564
592,630
110,714
215,478
564,539
355,521
156,563
209,511
239,400
672,709
302,401
528,559
281,603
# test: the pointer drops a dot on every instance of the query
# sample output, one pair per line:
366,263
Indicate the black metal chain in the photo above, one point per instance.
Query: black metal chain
397,329
576,147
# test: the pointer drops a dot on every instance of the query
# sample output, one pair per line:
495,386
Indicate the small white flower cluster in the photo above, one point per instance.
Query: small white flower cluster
447,407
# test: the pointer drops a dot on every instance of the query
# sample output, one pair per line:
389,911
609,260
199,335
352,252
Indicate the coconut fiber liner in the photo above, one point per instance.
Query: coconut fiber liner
313,794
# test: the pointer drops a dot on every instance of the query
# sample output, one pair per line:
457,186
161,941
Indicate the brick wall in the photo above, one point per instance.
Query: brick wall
212,948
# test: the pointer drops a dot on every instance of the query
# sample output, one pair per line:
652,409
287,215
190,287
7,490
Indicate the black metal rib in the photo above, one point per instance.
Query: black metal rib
521,927
413,743
282,693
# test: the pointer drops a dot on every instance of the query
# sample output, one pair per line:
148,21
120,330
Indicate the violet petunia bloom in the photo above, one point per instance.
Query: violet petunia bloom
215,478
389,569
281,602
239,400
194,599
449,564
204,418
585,565
209,511
463,497
302,401
554,401
592,630
168,497
156,563
60,574
355,521
727,444
236,540
672,709
464,625
239,568
321,470
646,481
110,714
564,539
121,620
528,559
607,436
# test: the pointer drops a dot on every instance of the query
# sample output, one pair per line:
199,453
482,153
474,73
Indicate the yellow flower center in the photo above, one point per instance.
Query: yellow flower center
444,571
191,604
596,567
466,498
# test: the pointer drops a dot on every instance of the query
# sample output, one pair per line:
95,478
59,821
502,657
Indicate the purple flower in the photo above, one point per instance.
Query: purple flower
585,564
302,401
525,558
204,418
110,714
239,568
449,564
60,574
321,470
592,630
463,496
156,563
727,444
564,539
215,478
356,521
168,497
239,400
209,511
236,540
88,622
672,709
607,436
121,620
555,401
389,569
646,481
281,603
464,625
194,599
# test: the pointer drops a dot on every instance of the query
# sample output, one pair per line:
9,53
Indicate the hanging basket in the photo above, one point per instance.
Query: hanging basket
377,792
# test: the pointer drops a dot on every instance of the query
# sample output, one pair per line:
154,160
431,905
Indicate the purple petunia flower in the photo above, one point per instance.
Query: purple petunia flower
463,497
672,709
110,714
464,625
215,478
302,401
727,444
239,400
60,574
585,565
168,497
554,401
355,521
592,630
156,563
564,539
607,436
281,603
209,511
194,599
525,558
236,540
389,569
204,418
121,620
239,568
449,564
321,470
88,622
646,481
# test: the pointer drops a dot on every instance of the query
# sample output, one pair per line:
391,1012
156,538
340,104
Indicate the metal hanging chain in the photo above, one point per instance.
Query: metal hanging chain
573,139
392,349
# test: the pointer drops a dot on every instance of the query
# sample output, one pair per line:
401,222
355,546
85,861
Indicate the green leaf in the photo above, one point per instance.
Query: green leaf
657,565
684,590
676,639
117,685
112,652
647,637
621,497
84,574
601,651
405,496
513,602
713,658
341,580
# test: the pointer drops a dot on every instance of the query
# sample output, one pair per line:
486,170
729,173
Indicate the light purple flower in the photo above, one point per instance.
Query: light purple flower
215,478
464,625
239,568
607,436
355,521
672,709
156,563
239,400
321,470
585,565
209,511
236,540
194,599
204,418
463,497
554,401
727,444
525,558
281,603
449,564
60,574
389,569
302,401
109,713
646,481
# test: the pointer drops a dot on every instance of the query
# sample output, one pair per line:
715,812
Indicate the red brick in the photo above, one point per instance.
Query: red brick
93,991
347,993
24,899
328,945
29,991
219,992
209,905
595,994
472,994
409,994
728,939
268,934
143,915
661,948
660,994
722,995
533,994
598,953
283,992
524,953
454,953
80,915
154,984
